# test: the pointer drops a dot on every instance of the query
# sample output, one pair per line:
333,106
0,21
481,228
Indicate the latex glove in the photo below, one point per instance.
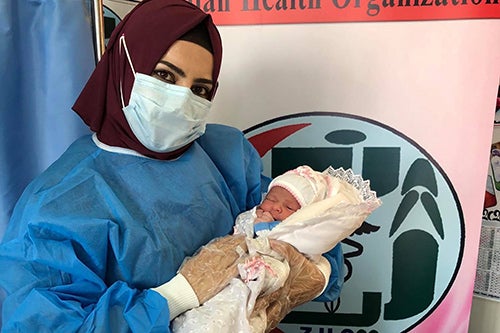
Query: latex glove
304,283
214,265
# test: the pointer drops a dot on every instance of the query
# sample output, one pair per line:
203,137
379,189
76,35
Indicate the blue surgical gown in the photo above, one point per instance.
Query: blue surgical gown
97,229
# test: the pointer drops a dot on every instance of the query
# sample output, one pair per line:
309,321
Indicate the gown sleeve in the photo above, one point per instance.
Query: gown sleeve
336,259
55,284
91,236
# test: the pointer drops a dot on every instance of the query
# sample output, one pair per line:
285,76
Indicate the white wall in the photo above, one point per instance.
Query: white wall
485,316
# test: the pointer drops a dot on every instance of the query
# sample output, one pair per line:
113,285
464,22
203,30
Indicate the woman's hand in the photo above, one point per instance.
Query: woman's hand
304,283
213,266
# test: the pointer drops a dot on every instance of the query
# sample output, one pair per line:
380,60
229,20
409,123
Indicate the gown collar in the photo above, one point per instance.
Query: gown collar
114,149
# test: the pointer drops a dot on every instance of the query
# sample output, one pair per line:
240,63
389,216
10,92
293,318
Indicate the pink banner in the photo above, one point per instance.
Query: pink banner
238,12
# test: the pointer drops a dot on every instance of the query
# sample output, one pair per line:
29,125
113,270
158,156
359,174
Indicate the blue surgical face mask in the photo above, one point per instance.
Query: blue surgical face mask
164,117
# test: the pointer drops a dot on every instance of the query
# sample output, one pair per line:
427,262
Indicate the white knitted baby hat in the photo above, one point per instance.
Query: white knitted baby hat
305,184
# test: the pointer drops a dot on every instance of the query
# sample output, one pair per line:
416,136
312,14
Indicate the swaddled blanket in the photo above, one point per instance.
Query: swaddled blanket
313,230
317,228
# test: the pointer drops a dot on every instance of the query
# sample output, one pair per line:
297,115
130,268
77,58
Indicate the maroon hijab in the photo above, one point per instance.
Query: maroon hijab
150,29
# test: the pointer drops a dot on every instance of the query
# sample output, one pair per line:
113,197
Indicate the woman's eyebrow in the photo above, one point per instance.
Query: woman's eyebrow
180,72
174,68
206,81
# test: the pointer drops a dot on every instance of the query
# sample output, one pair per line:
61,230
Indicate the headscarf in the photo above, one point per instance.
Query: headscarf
150,28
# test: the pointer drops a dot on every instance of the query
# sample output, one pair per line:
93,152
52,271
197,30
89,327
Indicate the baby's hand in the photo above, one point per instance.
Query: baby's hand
263,216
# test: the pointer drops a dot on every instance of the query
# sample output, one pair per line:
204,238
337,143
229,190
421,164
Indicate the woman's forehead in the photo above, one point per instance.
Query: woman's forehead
190,59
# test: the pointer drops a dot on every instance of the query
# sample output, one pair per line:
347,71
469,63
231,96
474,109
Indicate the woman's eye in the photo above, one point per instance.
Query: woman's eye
164,75
201,91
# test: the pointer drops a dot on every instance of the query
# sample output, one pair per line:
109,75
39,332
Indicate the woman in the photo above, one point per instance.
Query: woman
96,241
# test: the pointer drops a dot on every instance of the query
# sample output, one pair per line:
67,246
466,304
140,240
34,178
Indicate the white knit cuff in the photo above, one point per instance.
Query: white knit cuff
324,266
179,294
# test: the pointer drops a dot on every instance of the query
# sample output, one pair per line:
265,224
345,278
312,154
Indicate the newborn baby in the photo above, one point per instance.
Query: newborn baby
311,210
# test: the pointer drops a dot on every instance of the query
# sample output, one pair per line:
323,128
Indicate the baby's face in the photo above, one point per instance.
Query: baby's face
279,203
